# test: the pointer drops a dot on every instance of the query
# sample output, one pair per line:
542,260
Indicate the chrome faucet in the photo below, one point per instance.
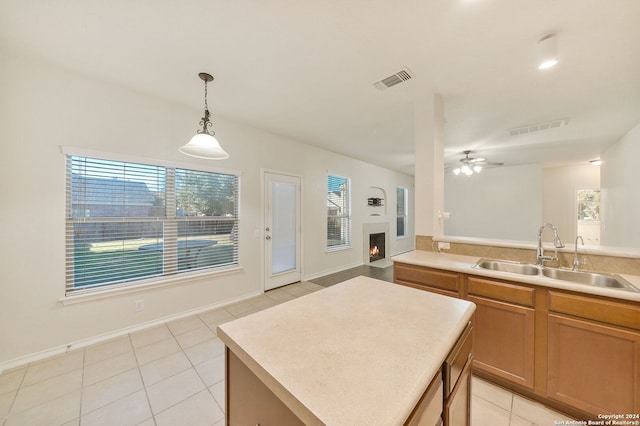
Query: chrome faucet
576,262
540,257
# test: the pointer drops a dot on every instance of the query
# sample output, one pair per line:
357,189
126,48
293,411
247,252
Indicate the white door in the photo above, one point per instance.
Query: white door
282,229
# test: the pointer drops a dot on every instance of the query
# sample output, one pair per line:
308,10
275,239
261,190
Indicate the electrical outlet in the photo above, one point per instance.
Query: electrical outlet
139,305
443,245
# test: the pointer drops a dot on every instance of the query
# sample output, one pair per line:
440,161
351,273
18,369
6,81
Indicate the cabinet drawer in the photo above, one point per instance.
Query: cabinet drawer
501,291
608,311
457,359
428,277
428,288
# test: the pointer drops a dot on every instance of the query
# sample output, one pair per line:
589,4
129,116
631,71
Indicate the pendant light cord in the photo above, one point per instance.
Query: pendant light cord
206,105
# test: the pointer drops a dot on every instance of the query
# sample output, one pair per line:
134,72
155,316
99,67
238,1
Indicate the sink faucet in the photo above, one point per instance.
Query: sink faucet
540,257
576,262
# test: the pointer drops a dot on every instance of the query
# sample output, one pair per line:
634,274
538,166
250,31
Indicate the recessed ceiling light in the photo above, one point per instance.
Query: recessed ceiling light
596,162
547,51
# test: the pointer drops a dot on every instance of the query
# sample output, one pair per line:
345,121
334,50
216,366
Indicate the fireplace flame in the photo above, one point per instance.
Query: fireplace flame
374,251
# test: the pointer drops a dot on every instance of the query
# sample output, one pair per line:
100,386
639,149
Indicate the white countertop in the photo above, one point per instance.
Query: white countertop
463,264
360,352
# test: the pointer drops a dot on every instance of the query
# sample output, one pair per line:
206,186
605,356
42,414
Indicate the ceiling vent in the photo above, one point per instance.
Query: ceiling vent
538,127
401,76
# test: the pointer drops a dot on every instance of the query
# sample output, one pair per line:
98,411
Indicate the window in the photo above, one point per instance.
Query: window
127,222
589,215
338,212
589,205
401,212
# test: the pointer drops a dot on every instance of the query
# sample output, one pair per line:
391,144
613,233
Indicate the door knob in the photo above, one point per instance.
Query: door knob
268,237
267,229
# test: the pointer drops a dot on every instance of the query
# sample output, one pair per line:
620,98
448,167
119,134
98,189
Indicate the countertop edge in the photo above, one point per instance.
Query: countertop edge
295,405
464,264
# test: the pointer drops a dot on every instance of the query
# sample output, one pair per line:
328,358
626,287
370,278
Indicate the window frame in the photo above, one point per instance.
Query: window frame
72,294
405,208
345,216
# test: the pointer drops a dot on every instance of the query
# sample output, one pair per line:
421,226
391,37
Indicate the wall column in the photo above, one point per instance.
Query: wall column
429,167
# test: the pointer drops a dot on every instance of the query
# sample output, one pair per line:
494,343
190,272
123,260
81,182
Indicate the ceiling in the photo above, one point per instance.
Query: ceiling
305,69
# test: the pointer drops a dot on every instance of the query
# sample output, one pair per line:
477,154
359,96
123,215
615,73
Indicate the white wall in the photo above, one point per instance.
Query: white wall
43,108
560,198
429,162
498,203
620,203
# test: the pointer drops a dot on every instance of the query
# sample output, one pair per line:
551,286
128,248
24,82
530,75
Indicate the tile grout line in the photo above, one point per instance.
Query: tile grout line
24,375
193,366
84,358
144,386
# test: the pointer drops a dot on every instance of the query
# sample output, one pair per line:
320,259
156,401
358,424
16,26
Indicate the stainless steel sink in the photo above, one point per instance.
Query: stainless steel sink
507,266
578,277
589,278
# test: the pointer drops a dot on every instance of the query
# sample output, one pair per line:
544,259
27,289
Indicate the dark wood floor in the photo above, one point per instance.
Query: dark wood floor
385,274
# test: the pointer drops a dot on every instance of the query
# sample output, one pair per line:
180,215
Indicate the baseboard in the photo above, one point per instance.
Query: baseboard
330,271
47,353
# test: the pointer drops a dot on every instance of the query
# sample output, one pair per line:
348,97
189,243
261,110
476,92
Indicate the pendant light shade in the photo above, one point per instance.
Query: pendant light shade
204,144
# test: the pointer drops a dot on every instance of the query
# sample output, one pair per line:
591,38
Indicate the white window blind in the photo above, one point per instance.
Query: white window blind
338,212
127,222
401,212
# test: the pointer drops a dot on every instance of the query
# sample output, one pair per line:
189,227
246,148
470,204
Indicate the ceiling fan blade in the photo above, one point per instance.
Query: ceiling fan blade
489,163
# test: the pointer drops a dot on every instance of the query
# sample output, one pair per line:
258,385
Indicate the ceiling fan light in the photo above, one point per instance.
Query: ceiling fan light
477,168
456,171
204,145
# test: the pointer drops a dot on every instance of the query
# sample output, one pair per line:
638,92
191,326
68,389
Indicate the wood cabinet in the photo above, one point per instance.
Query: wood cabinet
457,407
428,411
575,352
503,329
457,381
593,366
434,280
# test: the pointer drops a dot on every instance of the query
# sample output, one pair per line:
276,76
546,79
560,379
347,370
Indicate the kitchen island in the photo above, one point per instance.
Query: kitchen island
361,352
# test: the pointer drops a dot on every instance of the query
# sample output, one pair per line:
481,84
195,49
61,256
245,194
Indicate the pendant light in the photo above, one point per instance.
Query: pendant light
204,144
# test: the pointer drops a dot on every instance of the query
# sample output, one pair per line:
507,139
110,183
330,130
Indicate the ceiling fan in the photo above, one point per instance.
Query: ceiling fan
470,165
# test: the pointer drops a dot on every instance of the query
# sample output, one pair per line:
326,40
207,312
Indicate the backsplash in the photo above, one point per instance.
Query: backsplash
600,263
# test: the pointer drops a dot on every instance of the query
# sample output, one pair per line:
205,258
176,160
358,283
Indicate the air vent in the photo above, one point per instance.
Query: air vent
537,127
401,76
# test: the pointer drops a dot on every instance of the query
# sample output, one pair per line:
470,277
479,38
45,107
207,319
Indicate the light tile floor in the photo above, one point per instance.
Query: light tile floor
173,374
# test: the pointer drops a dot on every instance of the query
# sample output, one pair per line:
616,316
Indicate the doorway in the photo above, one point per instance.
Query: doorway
282,229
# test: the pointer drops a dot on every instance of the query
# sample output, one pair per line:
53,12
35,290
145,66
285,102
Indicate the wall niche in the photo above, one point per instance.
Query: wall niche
376,199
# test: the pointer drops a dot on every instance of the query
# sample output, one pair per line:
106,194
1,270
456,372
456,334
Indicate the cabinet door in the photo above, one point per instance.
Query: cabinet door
428,411
457,408
593,367
503,340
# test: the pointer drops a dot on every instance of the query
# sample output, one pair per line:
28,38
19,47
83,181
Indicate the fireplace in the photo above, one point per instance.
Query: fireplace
376,246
